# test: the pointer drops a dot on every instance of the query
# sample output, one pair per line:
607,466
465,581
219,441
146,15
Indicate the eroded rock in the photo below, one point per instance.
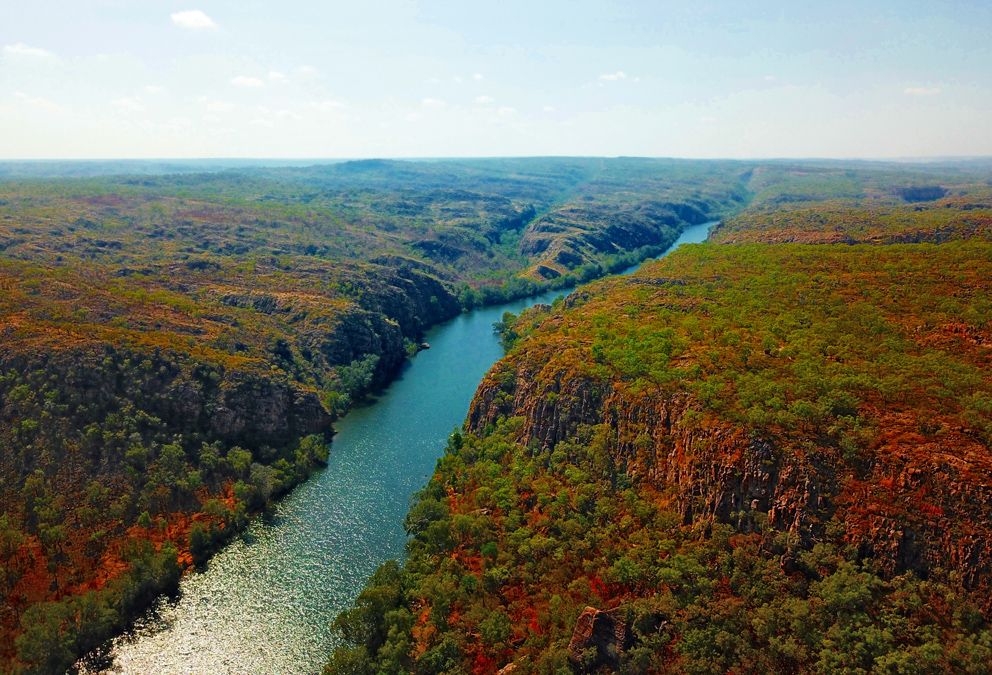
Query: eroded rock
598,640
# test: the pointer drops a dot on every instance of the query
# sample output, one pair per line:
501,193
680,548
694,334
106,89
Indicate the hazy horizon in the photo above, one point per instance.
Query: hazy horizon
887,80
447,158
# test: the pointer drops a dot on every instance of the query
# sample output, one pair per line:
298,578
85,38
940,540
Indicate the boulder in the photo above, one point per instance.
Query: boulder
598,630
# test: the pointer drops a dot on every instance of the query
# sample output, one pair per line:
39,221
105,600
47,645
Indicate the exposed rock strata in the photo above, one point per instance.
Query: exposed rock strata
597,630
914,505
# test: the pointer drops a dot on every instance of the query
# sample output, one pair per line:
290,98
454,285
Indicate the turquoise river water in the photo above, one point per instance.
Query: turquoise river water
265,603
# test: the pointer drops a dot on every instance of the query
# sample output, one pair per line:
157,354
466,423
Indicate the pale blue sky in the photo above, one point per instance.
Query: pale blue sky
439,78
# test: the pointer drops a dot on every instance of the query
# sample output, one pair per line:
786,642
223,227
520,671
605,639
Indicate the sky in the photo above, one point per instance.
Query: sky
462,78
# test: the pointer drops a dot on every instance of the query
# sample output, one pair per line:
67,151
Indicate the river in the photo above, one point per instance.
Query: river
265,603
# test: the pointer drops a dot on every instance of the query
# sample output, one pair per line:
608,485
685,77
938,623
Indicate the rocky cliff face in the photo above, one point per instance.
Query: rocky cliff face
598,640
243,400
254,411
403,308
166,415
910,503
910,488
385,309
723,463
576,234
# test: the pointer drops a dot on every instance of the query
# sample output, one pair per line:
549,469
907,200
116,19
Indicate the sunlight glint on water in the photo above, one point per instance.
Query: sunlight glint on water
265,603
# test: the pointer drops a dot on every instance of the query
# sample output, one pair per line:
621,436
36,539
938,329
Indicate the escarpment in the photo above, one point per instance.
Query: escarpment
742,459
771,433
579,233
385,318
382,310
754,458
252,374
142,420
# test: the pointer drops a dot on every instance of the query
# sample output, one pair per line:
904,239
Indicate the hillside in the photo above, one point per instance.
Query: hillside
176,347
739,459
472,221
162,407
827,205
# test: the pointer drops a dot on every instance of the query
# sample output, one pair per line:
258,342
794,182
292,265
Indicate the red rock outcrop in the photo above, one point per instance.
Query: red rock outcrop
909,501
599,631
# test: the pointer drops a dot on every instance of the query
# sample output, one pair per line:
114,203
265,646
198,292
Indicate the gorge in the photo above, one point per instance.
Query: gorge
178,347
266,603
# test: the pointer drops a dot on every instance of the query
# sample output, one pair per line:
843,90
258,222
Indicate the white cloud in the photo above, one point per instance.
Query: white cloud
264,123
484,99
276,75
613,77
326,106
154,89
219,106
307,69
707,120
507,111
920,91
287,114
24,50
769,77
38,101
211,118
432,101
477,76
457,79
127,104
243,81
548,108
193,19
177,124
434,80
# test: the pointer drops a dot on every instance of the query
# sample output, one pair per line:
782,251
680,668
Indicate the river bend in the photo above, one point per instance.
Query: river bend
265,603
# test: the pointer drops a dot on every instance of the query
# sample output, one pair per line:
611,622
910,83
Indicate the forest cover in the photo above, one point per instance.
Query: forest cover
743,458
757,459
175,348
815,205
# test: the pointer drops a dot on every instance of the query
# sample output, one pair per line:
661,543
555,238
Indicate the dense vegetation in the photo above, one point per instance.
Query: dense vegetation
162,408
743,459
758,459
175,348
811,205
469,221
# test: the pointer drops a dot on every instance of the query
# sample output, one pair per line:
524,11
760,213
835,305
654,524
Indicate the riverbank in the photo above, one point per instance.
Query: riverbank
264,604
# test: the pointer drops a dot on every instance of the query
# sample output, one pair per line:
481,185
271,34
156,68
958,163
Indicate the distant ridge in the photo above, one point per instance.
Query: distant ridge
87,168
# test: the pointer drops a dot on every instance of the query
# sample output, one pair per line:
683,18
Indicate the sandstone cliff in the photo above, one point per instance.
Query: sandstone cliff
903,479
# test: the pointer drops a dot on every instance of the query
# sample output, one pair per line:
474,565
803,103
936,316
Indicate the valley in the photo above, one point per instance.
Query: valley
721,440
